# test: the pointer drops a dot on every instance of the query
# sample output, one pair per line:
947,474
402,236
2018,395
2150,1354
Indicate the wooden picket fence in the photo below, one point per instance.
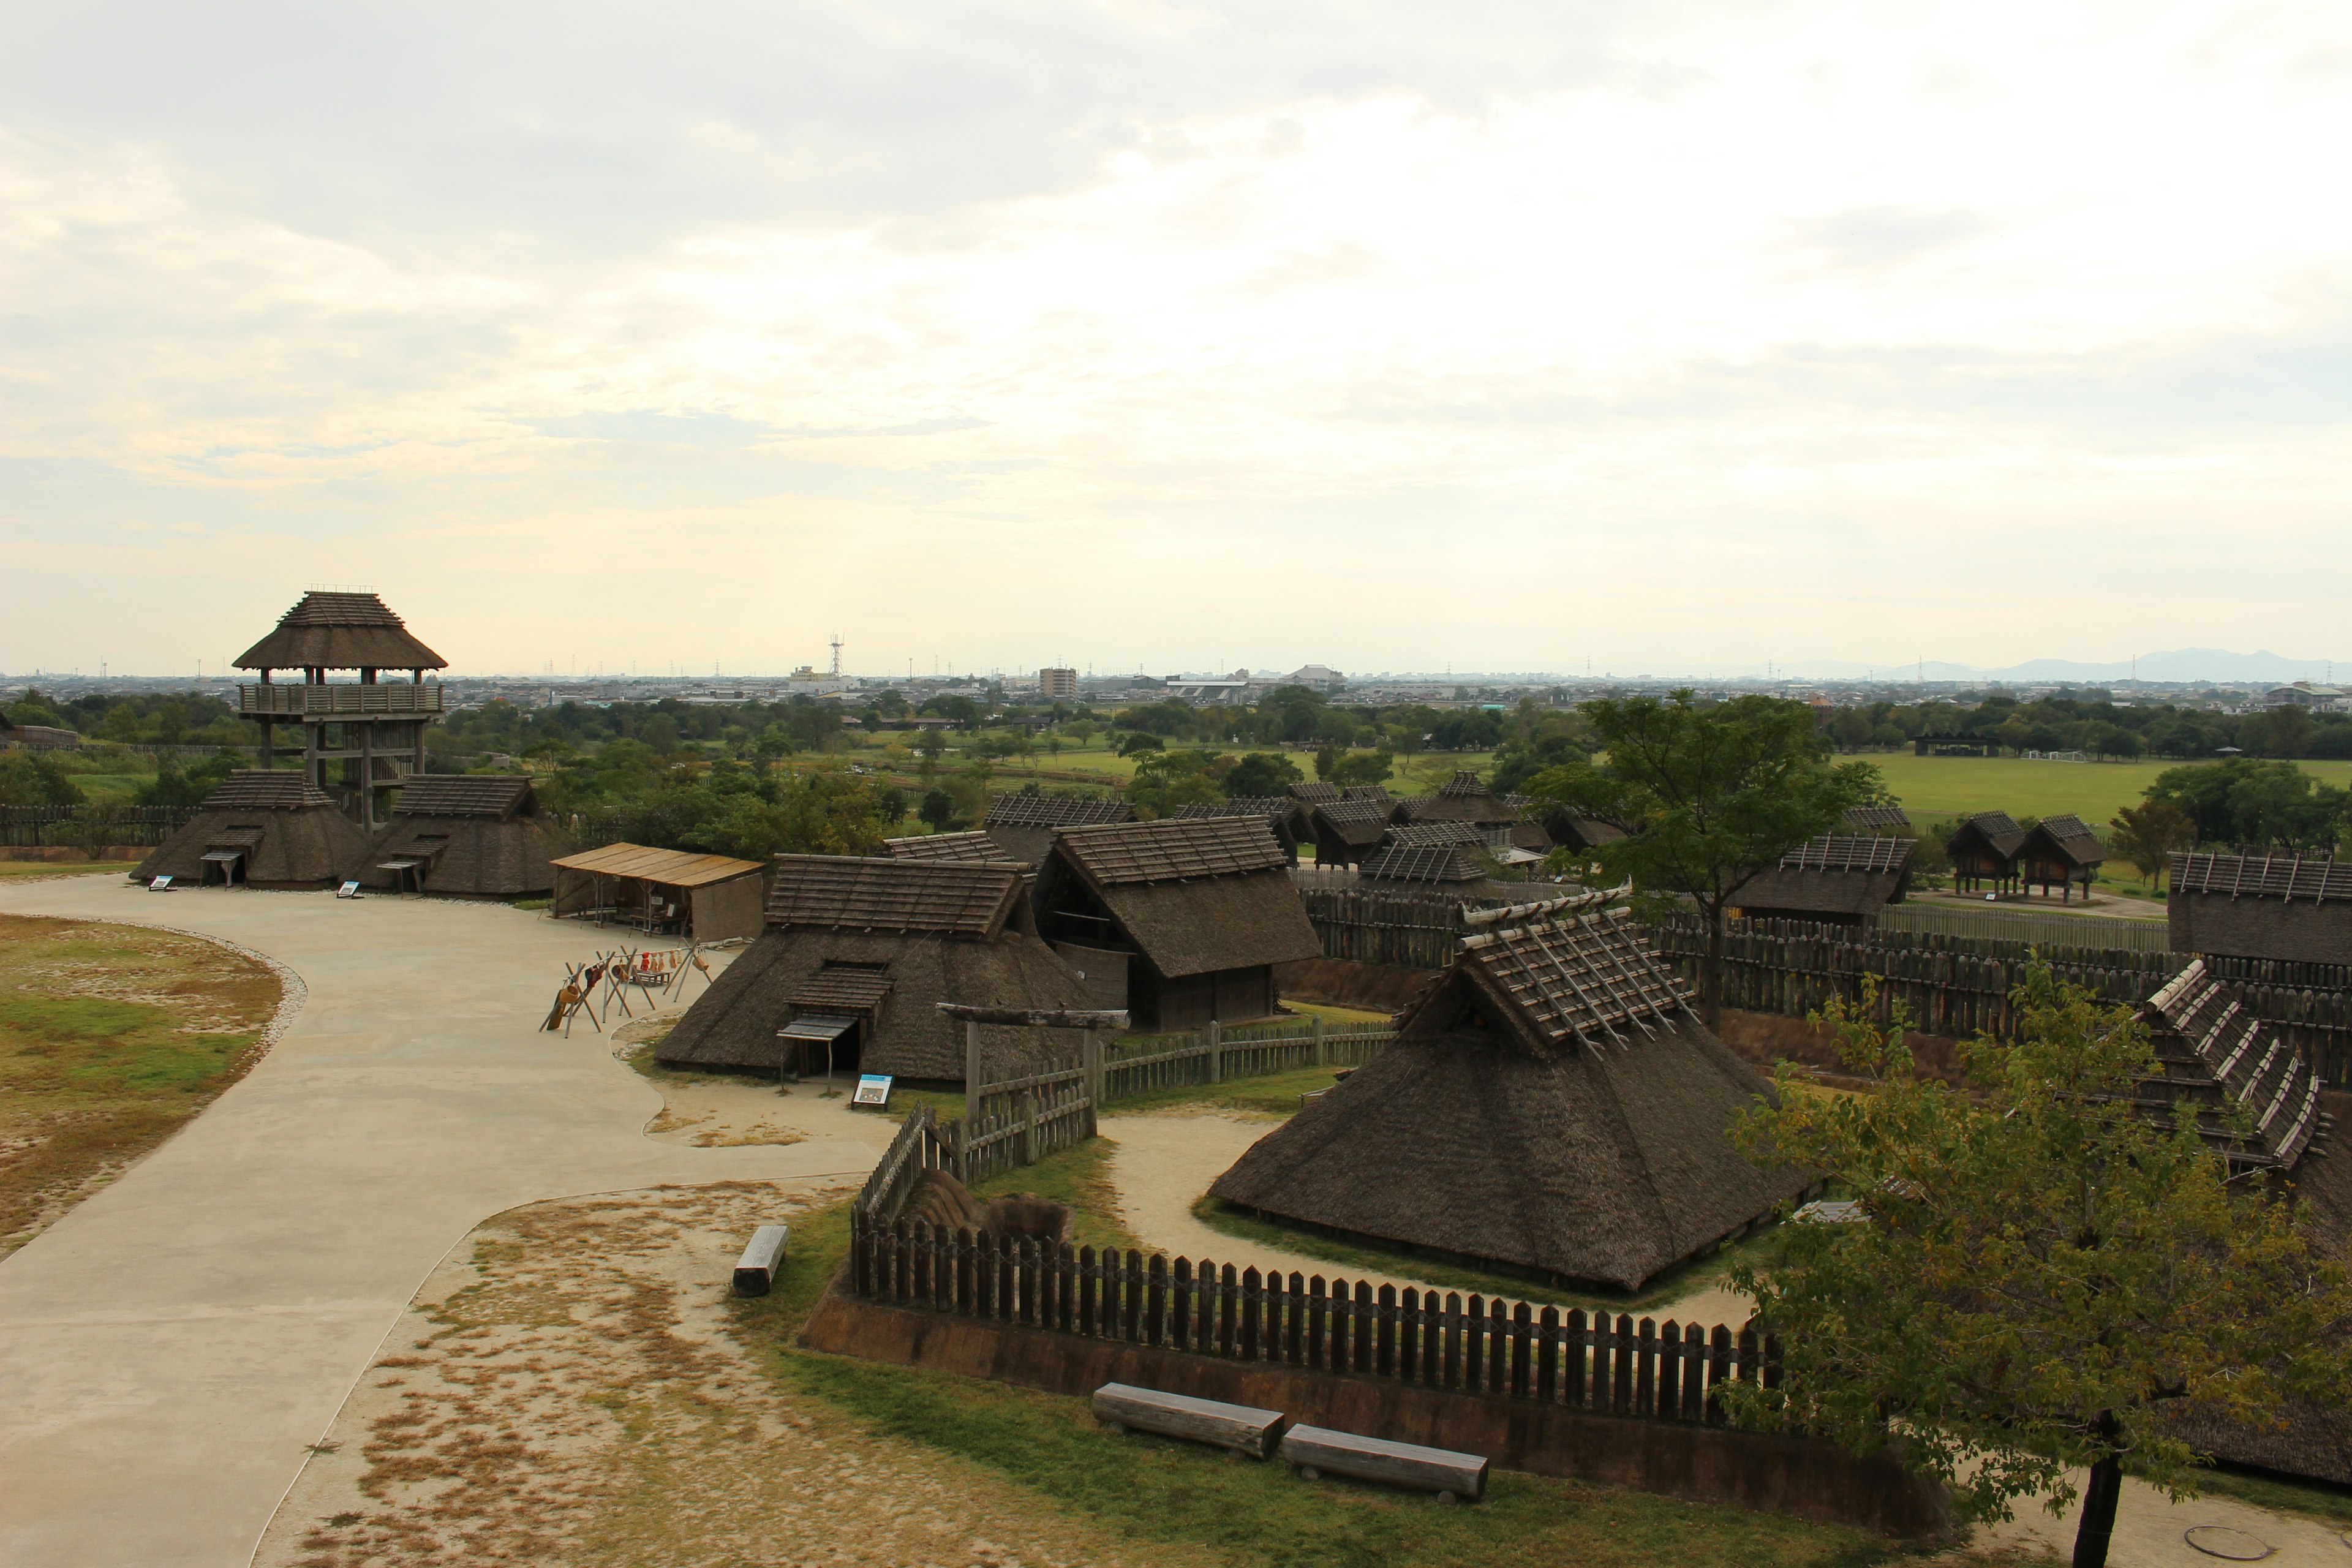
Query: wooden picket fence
1491,1345
1217,1054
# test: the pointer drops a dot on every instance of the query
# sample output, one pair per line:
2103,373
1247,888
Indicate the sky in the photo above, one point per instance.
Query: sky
993,333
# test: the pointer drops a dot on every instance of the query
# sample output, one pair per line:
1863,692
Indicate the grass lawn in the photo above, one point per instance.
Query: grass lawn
20,868
110,1036
1155,1491
1943,788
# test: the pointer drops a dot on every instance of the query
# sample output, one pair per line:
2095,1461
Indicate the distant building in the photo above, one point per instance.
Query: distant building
2303,694
1058,685
35,737
1233,688
1315,677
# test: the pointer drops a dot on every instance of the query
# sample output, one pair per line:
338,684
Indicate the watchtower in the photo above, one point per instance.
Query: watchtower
373,729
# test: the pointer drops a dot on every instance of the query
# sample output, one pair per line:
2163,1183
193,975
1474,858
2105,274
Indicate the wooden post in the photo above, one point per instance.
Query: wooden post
1028,1126
970,1076
1093,1078
1318,1040
1216,1053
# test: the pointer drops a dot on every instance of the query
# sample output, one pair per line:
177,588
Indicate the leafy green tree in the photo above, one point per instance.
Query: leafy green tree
1262,774
2037,1270
1139,741
1363,768
937,810
29,779
2147,833
1714,795
1327,757
2254,803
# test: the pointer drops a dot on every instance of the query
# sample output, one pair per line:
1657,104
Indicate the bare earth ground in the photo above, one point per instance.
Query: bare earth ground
565,1390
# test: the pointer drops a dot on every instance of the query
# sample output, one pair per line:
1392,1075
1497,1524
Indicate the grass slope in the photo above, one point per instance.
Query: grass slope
111,1037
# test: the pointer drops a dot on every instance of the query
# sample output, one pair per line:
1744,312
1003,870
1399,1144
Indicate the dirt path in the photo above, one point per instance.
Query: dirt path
567,1389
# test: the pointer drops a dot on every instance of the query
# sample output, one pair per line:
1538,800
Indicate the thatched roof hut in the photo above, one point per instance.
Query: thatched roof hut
1464,797
1314,791
1568,830
1024,824
1367,791
1199,912
973,848
859,950
2060,850
2289,907
1984,850
467,836
1279,813
1346,830
1434,834
1877,819
709,897
1551,1107
267,829
1426,864
327,631
1834,879
2216,1054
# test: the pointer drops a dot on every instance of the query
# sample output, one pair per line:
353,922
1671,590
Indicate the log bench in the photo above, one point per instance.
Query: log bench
1317,1450
755,1271
1121,1405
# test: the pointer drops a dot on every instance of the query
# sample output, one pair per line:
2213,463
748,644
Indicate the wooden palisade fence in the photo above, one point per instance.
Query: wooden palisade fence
85,827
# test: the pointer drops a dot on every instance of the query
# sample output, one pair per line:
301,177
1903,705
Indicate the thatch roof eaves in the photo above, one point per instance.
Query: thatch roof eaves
1589,979
2288,877
1833,852
267,789
1421,863
464,795
848,892
340,631
1431,835
974,847
1169,850
1877,818
1214,923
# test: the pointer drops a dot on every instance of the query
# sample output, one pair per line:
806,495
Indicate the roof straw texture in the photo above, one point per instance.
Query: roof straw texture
1430,835
1053,811
1875,818
2289,877
974,848
1170,850
1589,979
848,892
1421,863
1830,852
460,795
340,631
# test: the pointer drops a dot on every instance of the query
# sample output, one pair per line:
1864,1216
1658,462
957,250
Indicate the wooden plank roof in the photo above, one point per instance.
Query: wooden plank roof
974,848
462,795
267,789
1053,811
2289,877
670,867
849,892
1588,978
1170,850
1833,852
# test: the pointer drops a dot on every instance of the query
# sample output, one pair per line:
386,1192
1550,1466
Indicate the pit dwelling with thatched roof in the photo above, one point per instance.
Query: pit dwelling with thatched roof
857,953
459,835
1552,1107
1835,880
262,829
1024,824
1197,914
2295,907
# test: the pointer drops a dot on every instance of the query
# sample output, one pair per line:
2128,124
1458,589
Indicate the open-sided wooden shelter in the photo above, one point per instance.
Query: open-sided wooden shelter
1024,824
2060,850
1551,1107
709,897
1198,911
858,954
1984,850
1835,880
262,829
2291,907
469,836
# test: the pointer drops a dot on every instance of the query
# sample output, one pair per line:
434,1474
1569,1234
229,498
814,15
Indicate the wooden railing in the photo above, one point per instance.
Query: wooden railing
1618,1366
342,697
1215,1054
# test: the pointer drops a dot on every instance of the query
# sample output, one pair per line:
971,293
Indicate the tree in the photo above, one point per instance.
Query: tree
2036,1271
1130,744
1262,774
2254,803
2147,835
27,779
1361,768
1714,795
937,810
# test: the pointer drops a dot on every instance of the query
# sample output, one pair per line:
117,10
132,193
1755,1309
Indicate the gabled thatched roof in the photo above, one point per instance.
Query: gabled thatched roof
1379,793
1279,813
977,848
1551,1106
1353,823
2066,840
340,631
482,853
1571,831
1432,835
2215,1053
1421,863
462,795
1834,874
267,789
848,892
1463,798
1314,791
2293,878
1053,811
289,834
1877,818
1995,831
1192,897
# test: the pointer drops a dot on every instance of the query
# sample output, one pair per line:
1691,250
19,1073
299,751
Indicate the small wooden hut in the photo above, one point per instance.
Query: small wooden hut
709,897
1279,813
2060,850
973,848
1024,824
1984,850
1199,912
1834,880
1552,1107
1346,830
2291,907
857,954
467,836
262,829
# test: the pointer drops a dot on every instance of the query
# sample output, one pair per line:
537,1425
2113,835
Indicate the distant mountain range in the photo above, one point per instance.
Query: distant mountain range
2174,664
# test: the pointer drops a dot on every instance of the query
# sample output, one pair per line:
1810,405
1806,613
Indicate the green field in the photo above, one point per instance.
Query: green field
1933,787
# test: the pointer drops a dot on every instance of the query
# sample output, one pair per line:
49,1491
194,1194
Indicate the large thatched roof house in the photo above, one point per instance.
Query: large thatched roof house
2289,907
857,953
1198,912
462,836
267,829
2060,850
1835,880
1024,824
1552,1106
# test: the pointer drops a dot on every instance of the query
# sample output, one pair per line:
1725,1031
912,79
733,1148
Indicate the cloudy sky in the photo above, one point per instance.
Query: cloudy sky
1179,335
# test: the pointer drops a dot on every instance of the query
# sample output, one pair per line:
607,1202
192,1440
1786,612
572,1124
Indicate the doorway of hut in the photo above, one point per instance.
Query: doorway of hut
224,867
823,1046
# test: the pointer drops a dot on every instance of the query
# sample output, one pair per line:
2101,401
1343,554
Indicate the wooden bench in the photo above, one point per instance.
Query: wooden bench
1313,1450
755,1271
1119,1406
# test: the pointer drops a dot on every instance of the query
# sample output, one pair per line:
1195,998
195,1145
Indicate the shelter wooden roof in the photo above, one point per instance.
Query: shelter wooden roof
267,789
340,631
2288,877
1587,979
1170,850
2067,838
462,795
1053,811
977,848
670,867
848,892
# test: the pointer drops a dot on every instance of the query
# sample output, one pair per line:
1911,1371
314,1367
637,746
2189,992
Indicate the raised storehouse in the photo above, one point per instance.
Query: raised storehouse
2289,907
1197,913
1345,831
1024,824
1552,1107
265,830
467,836
1280,813
857,957
707,897
360,737
971,848
2063,850
1834,879
2257,1100
1984,850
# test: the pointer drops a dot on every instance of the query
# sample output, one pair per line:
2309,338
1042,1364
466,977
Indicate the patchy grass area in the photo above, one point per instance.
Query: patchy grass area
111,1037
18,870
1080,1177
1275,1095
